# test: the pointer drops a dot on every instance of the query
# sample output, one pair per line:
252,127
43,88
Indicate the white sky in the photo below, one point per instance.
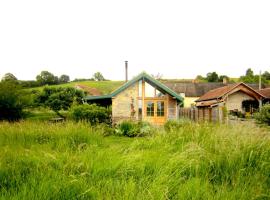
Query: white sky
179,39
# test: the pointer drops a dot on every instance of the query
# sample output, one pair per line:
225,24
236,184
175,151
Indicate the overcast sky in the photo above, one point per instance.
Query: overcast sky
179,39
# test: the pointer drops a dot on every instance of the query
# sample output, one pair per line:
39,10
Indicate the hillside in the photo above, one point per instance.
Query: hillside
104,87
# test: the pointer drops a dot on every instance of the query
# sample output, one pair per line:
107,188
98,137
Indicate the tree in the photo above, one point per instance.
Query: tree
266,75
9,77
12,101
98,77
64,79
212,77
200,78
59,98
46,77
223,77
249,72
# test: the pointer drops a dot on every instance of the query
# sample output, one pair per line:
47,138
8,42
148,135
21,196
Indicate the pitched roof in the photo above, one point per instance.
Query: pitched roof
141,76
217,93
198,89
265,92
192,89
220,92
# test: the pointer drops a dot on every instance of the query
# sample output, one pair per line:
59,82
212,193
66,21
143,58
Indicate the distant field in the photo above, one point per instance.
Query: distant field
39,160
106,87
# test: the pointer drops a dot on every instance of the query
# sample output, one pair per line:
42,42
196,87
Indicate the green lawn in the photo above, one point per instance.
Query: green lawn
39,160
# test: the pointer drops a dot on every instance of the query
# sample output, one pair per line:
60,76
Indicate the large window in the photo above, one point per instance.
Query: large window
150,91
150,108
140,88
160,108
140,109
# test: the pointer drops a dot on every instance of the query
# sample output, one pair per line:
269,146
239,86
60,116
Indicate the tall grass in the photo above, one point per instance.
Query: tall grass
39,160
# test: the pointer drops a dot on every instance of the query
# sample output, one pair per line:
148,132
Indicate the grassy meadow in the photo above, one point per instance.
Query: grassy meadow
106,87
39,160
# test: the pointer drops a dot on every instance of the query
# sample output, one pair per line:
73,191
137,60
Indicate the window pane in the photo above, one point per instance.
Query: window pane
160,108
150,91
150,108
140,88
140,109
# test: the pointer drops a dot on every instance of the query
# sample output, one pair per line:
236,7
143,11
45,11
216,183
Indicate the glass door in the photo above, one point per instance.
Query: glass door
155,111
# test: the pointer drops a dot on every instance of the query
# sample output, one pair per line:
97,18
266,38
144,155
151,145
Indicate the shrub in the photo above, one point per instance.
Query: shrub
12,101
263,116
91,113
133,129
58,98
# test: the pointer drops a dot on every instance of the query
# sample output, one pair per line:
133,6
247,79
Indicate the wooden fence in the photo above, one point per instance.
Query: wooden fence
211,114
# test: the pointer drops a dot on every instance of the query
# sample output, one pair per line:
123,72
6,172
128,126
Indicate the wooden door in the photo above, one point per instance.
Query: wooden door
155,111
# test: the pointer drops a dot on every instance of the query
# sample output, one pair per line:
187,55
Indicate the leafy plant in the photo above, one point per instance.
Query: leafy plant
133,129
264,115
12,101
91,113
58,98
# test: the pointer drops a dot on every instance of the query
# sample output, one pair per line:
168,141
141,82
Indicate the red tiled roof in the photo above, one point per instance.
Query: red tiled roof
217,93
265,92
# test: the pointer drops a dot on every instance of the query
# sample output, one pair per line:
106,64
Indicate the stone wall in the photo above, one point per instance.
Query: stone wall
122,104
235,100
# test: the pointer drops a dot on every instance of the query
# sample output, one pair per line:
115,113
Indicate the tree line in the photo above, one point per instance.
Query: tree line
48,78
249,77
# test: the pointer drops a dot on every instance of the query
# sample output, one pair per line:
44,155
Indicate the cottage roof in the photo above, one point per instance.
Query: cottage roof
222,91
265,92
141,76
198,89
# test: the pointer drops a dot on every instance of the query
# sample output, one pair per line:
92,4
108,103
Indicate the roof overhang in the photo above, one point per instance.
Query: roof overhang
143,76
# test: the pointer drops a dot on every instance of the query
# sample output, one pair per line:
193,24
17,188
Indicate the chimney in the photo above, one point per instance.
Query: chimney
126,66
225,81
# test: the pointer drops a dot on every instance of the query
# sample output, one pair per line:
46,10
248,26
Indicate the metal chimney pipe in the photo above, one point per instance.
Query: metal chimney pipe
126,66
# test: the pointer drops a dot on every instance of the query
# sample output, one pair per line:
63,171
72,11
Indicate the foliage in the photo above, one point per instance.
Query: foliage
12,101
74,161
46,77
264,115
133,129
58,98
266,75
223,77
64,79
91,113
29,84
250,77
98,77
9,77
212,77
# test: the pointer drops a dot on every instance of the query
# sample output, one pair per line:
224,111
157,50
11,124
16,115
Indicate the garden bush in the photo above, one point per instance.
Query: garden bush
91,113
133,129
263,116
